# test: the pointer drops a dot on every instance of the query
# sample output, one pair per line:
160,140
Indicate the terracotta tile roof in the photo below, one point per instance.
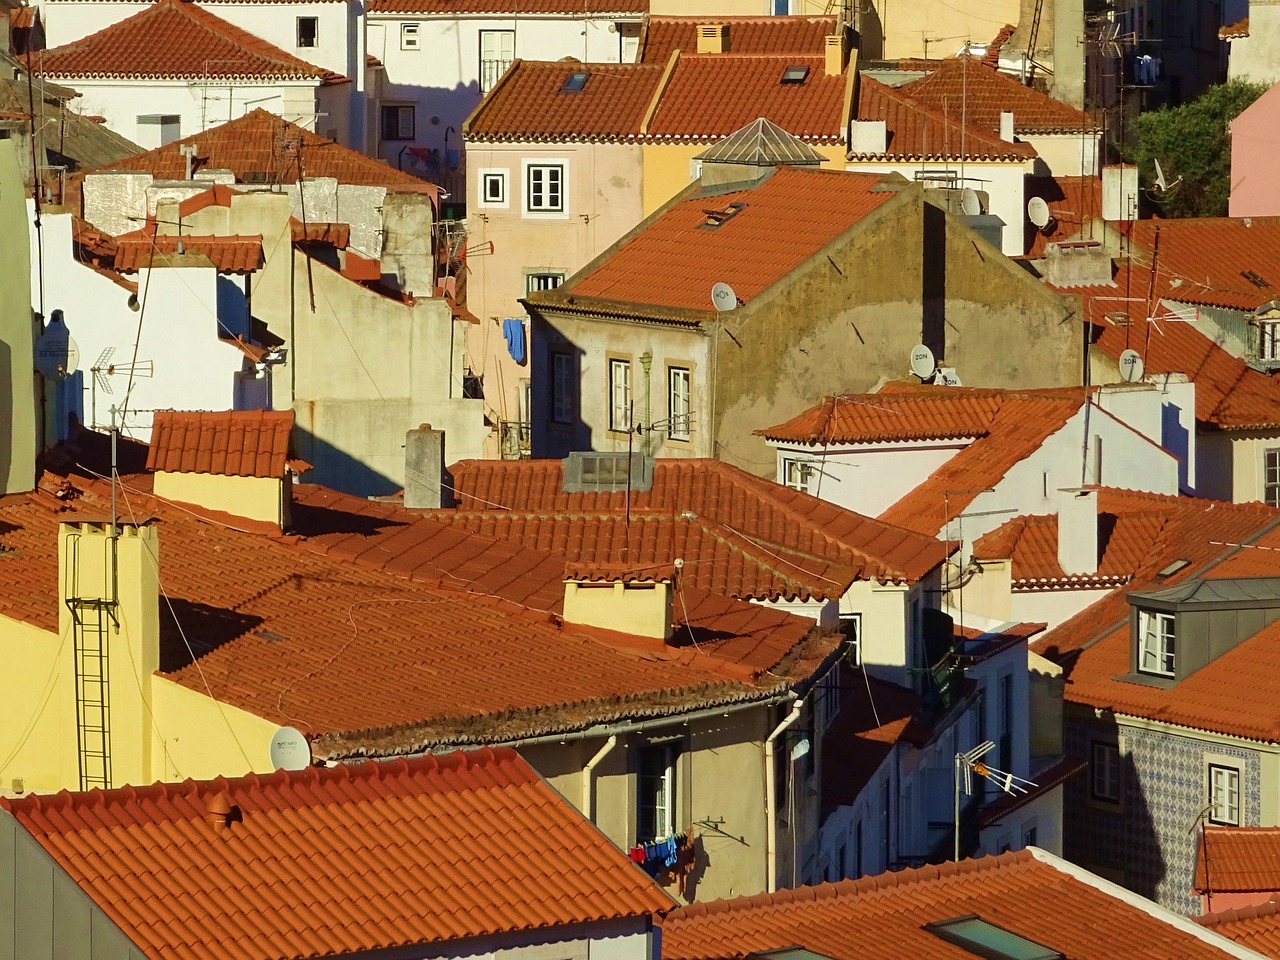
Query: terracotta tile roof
174,40
530,104
712,95
23,18
1030,893
142,249
917,131
750,537
1229,393
261,147
337,235
1074,202
991,57
1093,646
295,628
466,845
1205,261
219,195
772,35
453,8
1241,860
231,443
873,718
986,93
1256,927
1234,31
672,263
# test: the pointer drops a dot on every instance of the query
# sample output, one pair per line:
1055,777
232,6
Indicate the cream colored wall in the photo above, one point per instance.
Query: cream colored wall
38,735
257,498
17,381
990,592
198,737
884,609
640,608
667,168
733,8
905,24
1248,449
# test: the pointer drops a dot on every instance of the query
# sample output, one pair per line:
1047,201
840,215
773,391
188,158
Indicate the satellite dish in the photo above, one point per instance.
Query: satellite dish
723,297
922,362
57,355
1131,366
1038,212
289,750
948,377
970,203
1161,182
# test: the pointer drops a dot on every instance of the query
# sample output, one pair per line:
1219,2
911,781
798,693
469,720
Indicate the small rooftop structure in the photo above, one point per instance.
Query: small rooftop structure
760,143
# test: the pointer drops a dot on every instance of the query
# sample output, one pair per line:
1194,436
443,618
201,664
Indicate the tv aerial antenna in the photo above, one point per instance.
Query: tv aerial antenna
970,762
103,369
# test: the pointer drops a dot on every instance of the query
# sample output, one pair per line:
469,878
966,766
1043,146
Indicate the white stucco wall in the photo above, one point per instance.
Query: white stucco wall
1248,450
1053,607
1066,155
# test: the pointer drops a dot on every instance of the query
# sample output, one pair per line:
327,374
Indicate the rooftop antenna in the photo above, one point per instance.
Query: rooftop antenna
723,298
289,750
923,363
1131,366
1038,212
970,202
970,762
103,369
1162,187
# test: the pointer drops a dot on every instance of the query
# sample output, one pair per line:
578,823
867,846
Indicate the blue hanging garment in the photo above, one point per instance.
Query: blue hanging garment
513,330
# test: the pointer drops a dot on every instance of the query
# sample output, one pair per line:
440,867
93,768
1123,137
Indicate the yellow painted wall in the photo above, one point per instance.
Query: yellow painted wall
640,608
257,498
37,735
667,166
906,24
200,738
732,8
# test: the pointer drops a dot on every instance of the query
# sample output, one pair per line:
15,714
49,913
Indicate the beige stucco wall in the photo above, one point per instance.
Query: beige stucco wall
906,24
640,608
18,438
1248,450
731,8
200,738
256,498
669,168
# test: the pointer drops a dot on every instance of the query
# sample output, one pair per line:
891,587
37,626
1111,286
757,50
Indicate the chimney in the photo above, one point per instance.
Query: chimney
84,572
833,46
1006,126
1119,192
639,607
1077,263
868,137
1078,531
425,486
713,38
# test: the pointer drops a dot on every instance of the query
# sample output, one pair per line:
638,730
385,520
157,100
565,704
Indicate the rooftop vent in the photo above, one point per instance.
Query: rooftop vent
717,218
575,81
1255,279
591,472
713,38
795,75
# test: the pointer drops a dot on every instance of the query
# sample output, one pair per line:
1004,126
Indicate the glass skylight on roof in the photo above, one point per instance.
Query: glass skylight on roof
795,74
575,82
985,939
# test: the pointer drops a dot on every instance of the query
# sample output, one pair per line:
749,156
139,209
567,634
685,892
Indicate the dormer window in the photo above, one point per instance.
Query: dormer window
1269,339
1156,640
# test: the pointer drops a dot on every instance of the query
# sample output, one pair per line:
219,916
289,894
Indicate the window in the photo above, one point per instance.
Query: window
493,188
544,188
410,36
1224,794
851,627
1104,773
984,939
857,851
620,395
1029,836
397,122
562,388
1005,704
1155,643
656,791
797,473
679,390
308,31
575,82
795,75
1271,477
537,282
1269,340
497,50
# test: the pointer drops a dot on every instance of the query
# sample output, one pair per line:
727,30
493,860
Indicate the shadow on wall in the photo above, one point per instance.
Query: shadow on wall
335,468
1175,438
6,415
933,289
555,368
870,39
436,128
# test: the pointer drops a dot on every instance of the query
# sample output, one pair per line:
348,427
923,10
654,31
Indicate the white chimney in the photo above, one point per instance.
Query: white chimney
425,487
1078,531
1006,126
868,137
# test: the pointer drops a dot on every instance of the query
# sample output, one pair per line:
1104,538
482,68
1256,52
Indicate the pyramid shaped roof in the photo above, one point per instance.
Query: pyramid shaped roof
762,144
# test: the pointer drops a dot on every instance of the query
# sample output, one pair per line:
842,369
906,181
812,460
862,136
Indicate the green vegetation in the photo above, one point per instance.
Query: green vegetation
1193,142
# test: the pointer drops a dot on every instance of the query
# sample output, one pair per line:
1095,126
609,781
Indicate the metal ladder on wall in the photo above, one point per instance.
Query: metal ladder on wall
93,621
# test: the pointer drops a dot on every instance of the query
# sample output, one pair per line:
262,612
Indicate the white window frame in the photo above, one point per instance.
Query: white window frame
492,67
1224,794
297,35
851,626
620,394
796,473
679,403
1104,772
562,387
537,281
1271,477
1157,643
400,108
411,36
1269,339
545,209
665,798
499,175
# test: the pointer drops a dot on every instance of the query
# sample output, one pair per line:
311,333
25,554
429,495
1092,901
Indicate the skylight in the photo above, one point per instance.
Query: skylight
987,940
575,82
795,74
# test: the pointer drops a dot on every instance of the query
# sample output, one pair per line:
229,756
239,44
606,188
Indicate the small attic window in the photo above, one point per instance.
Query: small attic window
1256,279
575,82
716,218
987,940
795,74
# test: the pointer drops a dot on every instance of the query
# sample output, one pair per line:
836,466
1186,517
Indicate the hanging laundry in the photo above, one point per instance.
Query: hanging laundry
513,330
452,158
636,854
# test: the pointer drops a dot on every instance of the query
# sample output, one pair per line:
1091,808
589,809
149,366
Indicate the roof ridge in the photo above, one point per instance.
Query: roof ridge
1255,911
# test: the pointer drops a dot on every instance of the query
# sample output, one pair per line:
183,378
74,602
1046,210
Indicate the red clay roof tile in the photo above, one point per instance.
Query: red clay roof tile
139,249
1256,927
219,195
1033,895
671,262
232,443
1234,31
173,40
1074,202
1241,860
261,147
1205,260
453,8
771,35
465,844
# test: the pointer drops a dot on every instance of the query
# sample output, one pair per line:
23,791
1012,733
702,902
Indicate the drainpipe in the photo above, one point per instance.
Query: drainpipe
588,780
646,363
770,800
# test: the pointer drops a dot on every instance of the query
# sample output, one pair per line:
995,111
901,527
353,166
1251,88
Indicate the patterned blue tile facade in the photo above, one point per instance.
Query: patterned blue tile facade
1148,842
